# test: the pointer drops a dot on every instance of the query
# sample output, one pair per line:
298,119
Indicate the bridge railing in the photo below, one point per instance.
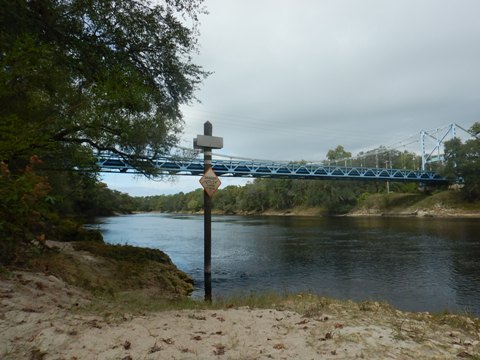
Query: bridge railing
272,169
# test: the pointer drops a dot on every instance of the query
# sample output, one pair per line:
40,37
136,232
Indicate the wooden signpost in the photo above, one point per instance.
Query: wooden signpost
210,183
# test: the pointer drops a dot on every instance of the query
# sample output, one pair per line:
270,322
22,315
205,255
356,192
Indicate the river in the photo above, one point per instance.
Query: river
415,264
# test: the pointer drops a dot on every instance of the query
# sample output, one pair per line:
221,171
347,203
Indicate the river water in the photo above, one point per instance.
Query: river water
417,264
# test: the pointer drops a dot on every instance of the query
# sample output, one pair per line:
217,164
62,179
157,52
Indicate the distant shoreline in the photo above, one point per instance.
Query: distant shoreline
317,212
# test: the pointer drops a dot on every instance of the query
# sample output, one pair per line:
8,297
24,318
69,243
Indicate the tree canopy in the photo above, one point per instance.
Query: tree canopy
80,75
339,153
463,160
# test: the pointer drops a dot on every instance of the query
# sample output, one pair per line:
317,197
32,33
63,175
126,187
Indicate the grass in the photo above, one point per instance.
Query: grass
135,302
109,269
124,252
411,202
465,321
449,199
390,202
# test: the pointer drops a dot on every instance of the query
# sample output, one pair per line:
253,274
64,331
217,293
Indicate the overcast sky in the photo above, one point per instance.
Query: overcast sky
294,78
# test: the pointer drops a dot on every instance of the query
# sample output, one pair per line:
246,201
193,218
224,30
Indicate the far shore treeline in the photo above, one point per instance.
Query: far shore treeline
273,194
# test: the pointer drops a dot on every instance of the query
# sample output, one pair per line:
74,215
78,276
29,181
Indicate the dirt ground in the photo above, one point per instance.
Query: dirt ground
41,317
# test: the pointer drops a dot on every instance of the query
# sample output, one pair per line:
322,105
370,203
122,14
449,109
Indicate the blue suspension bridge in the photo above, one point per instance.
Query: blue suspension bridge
250,168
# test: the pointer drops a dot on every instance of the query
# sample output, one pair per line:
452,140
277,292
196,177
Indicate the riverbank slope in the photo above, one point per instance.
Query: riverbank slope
442,204
45,317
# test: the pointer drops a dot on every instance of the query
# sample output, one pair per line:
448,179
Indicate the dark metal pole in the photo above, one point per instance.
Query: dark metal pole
207,210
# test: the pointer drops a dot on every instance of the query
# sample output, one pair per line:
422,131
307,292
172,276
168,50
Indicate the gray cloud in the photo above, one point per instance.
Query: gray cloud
293,79
315,74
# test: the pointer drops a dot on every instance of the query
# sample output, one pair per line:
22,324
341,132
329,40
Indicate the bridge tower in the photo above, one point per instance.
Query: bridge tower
438,137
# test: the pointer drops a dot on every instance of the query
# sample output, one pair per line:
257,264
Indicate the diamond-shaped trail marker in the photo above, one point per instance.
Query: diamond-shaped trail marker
210,182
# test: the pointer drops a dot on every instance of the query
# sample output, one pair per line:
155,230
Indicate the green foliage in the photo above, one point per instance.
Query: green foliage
79,75
339,153
71,230
463,161
31,211
23,210
269,194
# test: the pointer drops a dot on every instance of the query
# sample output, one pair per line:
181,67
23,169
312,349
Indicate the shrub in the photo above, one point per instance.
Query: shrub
23,210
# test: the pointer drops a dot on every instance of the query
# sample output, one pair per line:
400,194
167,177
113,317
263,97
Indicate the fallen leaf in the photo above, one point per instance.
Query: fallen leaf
155,348
279,346
328,336
338,326
219,349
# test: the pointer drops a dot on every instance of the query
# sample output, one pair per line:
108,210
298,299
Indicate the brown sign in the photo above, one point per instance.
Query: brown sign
210,182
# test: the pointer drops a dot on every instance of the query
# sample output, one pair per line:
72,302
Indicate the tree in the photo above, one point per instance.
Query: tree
338,154
84,75
463,161
78,76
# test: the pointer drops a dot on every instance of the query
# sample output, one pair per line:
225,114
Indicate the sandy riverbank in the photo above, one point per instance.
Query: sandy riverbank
44,318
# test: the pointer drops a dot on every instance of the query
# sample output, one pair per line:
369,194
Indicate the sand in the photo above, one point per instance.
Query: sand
41,318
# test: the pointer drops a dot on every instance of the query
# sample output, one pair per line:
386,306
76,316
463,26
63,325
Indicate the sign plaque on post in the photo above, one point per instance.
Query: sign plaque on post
210,183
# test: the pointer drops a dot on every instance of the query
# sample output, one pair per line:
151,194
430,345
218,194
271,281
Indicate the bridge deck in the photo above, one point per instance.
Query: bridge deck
264,169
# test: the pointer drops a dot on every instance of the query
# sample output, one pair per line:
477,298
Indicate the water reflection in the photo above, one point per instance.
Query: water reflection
415,264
